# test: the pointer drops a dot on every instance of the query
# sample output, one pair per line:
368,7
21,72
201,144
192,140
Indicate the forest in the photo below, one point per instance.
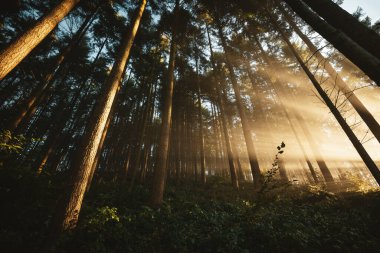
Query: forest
189,126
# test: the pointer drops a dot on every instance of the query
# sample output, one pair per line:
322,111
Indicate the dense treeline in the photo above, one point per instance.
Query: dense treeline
127,96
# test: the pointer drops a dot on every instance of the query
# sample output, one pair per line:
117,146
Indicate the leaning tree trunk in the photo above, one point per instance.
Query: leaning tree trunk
342,122
70,205
367,117
368,63
344,21
159,177
11,56
99,152
256,174
113,112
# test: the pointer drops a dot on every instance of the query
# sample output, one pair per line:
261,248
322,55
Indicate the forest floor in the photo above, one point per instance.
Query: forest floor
194,218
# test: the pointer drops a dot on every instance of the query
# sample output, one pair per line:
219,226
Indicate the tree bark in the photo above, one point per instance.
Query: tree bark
11,56
201,135
256,174
222,115
144,126
70,205
99,152
159,177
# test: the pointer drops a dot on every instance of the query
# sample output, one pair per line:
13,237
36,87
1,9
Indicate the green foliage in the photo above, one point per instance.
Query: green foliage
194,218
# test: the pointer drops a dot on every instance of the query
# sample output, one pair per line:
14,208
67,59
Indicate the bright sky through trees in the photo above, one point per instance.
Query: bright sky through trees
370,7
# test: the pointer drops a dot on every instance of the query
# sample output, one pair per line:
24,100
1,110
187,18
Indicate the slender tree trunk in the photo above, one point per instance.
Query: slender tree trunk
344,21
368,63
367,117
195,157
236,156
230,154
11,56
177,145
222,115
342,122
159,178
70,205
140,142
218,145
256,174
182,142
148,141
201,135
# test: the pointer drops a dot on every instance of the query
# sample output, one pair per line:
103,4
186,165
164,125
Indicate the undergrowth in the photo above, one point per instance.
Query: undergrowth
194,218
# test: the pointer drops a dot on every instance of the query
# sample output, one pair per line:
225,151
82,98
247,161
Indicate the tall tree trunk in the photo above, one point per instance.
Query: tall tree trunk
256,174
230,154
342,122
148,141
70,205
367,117
99,152
176,145
201,135
355,53
344,21
140,142
222,115
113,112
159,177
11,56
